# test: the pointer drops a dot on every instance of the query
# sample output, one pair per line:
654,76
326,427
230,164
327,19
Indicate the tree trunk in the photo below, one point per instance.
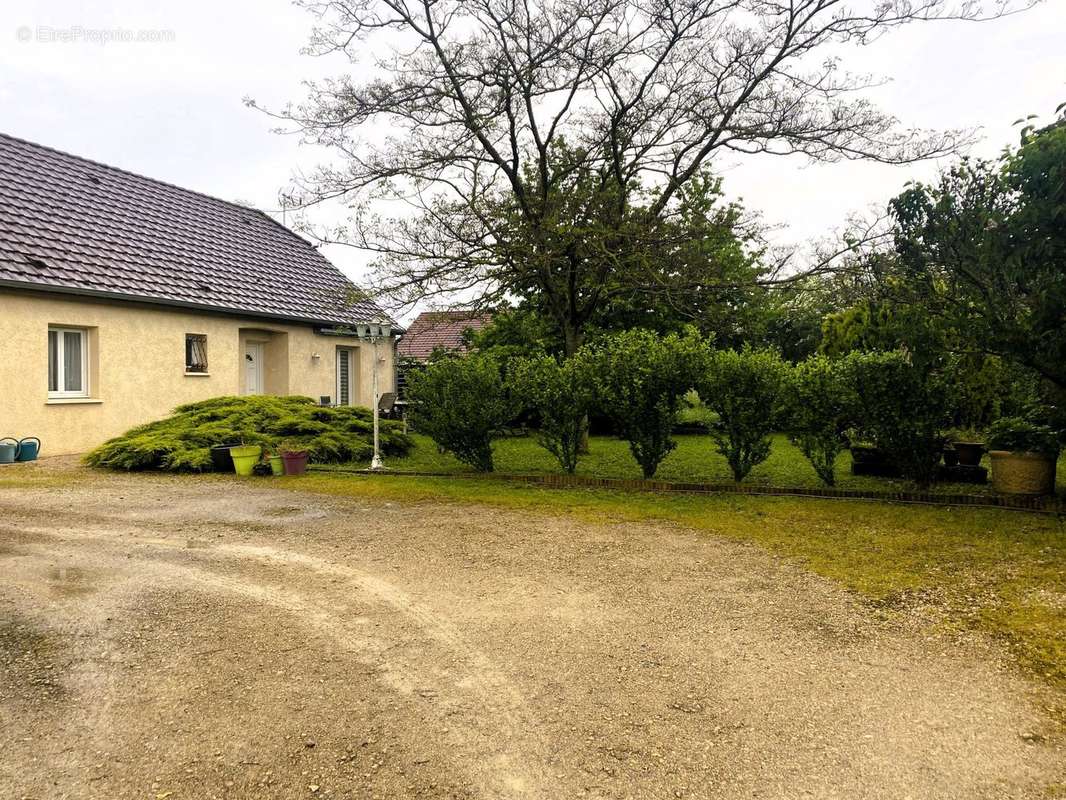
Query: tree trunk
573,338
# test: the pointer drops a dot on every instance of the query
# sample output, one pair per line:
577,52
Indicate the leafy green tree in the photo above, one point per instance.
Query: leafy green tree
640,379
985,248
562,395
595,261
515,333
792,316
460,403
883,325
746,389
821,407
543,150
905,407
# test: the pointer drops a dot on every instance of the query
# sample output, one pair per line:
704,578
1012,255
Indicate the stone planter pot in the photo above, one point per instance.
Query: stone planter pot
1022,473
969,452
951,457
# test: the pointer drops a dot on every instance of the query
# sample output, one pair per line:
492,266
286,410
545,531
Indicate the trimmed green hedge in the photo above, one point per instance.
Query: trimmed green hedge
182,442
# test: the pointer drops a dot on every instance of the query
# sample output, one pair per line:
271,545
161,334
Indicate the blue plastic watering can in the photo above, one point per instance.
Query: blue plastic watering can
8,452
28,449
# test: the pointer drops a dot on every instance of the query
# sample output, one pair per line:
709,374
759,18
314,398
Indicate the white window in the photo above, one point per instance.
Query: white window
68,362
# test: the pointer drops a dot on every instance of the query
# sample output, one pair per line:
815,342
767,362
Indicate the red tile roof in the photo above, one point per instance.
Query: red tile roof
443,330
68,224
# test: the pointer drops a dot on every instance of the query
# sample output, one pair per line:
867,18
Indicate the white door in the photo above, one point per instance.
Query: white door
253,368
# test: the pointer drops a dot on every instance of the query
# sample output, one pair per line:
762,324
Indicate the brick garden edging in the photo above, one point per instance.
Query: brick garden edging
1047,505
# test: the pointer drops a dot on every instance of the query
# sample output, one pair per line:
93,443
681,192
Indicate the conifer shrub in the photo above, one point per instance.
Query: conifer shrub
182,442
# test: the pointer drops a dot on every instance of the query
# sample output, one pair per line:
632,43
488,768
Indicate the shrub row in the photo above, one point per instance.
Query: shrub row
638,380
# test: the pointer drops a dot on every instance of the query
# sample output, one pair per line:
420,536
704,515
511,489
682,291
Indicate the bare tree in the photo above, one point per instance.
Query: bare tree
547,146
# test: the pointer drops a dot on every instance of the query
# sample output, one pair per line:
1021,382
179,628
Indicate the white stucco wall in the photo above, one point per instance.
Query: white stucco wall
137,365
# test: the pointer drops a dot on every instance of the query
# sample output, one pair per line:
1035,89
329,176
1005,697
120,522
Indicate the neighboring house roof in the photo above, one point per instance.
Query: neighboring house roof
72,225
443,330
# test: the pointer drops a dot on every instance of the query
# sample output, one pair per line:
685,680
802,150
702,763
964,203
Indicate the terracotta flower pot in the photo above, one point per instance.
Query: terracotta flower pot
1022,473
295,463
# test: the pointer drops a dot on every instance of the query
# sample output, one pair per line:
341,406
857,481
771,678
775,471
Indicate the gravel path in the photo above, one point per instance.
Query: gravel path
165,638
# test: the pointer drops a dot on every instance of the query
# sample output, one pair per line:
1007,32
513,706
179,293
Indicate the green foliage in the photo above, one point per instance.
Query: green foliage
822,406
1021,435
562,395
905,409
989,387
515,333
694,413
882,325
794,313
985,248
183,441
701,268
588,252
460,403
640,379
746,390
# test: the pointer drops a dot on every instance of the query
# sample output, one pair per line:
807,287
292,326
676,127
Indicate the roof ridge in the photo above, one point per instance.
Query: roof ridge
465,314
157,181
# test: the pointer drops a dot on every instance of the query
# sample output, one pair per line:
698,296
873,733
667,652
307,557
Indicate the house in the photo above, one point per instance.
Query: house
439,330
122,296
430,332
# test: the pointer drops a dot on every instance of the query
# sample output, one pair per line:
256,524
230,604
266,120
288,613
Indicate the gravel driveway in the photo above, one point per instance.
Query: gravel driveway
204,638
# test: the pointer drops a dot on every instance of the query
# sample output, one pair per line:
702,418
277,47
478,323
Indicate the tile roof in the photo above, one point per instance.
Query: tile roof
73,225
442,330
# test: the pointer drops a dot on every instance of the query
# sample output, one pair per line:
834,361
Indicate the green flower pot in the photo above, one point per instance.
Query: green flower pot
277,465
245,458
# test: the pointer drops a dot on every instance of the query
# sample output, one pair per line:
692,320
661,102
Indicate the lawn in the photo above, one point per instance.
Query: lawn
694,460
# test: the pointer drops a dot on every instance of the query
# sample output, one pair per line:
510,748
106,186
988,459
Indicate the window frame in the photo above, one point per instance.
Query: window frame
206,365
61,344
349,357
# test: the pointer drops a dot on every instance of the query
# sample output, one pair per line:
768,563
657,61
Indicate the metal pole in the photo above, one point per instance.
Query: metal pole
375,462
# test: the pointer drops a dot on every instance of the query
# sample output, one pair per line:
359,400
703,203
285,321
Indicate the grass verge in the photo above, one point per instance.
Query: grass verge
695,459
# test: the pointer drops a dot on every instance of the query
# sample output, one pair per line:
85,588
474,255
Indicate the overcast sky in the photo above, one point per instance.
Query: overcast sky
172,108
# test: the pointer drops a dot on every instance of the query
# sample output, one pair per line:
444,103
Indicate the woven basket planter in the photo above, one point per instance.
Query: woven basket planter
1022,473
